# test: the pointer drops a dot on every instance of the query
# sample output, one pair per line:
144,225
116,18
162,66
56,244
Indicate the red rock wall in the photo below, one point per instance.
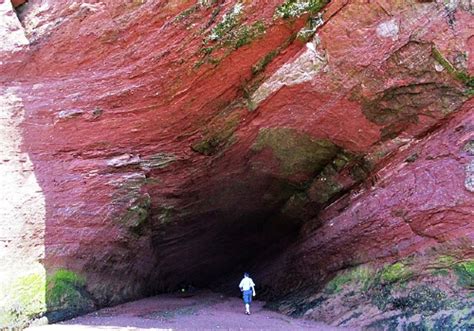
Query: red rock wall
421,198
154,130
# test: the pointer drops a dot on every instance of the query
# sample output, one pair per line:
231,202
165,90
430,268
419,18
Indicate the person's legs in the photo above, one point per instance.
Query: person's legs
247,295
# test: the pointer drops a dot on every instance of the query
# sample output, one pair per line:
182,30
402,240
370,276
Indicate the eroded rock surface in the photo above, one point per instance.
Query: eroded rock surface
149,144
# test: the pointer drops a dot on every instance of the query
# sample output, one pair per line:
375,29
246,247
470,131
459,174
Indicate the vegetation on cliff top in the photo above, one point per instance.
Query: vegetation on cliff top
294,8
230,34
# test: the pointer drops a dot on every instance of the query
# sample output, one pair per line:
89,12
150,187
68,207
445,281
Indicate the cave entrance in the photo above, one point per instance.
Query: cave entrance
214,252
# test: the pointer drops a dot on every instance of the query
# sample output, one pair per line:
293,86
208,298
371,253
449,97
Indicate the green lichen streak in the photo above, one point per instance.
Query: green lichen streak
460,75
295,8
230,34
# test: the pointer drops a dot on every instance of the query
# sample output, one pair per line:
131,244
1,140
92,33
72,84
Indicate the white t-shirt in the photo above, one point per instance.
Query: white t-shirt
246,283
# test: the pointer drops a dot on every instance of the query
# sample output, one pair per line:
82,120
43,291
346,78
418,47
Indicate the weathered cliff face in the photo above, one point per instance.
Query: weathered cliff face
149,144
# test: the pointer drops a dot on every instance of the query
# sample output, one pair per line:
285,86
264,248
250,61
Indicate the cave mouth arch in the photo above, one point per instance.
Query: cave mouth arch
218,249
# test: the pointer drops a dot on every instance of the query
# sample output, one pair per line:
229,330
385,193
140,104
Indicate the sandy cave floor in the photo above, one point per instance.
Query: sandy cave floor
201,311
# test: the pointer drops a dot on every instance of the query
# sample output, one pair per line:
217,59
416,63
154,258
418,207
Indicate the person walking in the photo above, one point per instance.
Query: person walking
247,287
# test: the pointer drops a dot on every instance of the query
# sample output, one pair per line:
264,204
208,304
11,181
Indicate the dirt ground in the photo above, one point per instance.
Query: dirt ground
201,311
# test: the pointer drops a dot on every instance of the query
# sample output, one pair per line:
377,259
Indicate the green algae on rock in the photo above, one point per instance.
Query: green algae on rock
395,273
295,8
297,152
403,294
465,273
62,286
66,295
325,185
131,201
361,275
229,34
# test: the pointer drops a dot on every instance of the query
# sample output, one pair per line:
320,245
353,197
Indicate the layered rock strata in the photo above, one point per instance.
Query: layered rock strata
150,144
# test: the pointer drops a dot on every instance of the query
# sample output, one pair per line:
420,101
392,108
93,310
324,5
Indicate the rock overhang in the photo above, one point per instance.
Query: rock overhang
159,156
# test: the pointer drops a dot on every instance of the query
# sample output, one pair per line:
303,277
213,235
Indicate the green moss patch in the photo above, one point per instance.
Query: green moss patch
297,152
440,273
62,287
421,299
336,284
296,207
465,273
399,107
396,298
229,22
186,13
295,8
395,273
333,178
446,260
424,302
66,295
446,320
360,277
230,34
234,36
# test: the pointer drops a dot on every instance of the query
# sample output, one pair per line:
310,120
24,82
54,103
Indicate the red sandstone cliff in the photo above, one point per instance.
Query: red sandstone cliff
150,143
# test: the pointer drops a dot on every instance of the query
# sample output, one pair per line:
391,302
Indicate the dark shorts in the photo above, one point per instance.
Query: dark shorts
247,296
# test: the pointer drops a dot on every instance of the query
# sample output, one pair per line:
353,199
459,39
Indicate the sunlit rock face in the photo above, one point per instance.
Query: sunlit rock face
149,145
